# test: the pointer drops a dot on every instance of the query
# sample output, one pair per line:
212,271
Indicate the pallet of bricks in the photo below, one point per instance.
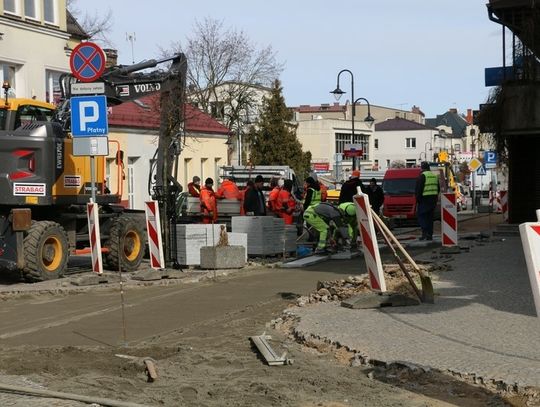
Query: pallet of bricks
266,235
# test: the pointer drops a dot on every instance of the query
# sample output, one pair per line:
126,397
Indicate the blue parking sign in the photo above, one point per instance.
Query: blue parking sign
490,159
89,116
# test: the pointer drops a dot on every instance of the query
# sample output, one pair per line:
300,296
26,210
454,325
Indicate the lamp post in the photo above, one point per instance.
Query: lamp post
337,94
420,158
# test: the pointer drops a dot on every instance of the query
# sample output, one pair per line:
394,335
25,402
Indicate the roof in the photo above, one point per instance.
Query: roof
451,119
144,113
74,28
336,107
399,124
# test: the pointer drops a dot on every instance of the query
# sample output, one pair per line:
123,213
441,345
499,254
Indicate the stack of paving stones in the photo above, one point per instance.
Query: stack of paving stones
266,234
290,238
190,238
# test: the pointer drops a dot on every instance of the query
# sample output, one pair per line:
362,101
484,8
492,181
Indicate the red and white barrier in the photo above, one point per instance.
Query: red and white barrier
369,242
530,238
449,220
153,227
95,237
504,204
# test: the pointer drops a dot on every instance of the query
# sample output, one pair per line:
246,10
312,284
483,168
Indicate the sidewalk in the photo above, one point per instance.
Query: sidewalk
482,326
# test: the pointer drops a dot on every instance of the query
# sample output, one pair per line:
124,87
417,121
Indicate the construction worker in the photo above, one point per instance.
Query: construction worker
348,210
228,190
321,216
350,187
427,193
208,202
254,201
286,204
194,187
313,193
272,204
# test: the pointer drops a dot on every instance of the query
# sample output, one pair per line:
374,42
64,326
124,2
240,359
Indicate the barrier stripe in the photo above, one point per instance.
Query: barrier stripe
449,220
95,240
369,243
153,228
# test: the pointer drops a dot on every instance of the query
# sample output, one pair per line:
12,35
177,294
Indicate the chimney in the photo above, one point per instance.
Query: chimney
453,110
112,57
469,117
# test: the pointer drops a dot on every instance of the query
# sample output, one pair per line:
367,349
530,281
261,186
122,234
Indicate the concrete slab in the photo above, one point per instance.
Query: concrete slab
148,275
345,255
450,250
223,257
305,261
378,300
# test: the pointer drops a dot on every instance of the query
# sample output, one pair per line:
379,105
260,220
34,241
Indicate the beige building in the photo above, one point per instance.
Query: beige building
36,40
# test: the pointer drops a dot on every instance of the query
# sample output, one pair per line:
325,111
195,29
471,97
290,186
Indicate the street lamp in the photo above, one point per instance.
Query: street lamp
338,93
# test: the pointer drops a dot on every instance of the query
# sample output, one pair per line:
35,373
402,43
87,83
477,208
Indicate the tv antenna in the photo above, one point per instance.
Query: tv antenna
131,38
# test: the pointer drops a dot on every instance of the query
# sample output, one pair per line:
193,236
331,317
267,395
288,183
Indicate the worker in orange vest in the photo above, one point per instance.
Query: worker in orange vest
208,202
324,191
228,190
286,203
272,205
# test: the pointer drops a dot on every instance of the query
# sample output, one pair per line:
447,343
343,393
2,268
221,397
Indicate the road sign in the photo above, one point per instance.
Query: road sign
481,171
353,150
87,88
87,62
490,159
474,164
89,116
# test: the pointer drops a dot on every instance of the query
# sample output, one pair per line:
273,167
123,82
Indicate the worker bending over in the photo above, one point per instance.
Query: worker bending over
321,217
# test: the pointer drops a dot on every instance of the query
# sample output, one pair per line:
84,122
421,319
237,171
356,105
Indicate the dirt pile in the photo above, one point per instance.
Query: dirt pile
339,290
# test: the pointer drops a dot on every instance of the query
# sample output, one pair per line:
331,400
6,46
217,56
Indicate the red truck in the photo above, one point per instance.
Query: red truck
399,193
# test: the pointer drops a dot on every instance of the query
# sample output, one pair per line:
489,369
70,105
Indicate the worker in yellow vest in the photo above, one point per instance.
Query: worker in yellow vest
427,194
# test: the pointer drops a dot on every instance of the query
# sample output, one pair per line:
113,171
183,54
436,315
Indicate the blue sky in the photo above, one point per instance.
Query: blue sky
428,53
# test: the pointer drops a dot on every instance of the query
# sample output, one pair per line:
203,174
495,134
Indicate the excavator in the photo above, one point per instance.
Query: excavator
44,187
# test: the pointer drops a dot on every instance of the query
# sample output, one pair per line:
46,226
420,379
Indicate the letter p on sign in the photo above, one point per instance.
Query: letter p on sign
88,113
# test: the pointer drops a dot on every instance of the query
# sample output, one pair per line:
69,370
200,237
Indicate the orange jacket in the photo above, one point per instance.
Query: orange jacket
286,205
208,203
272,199
324,192
228,190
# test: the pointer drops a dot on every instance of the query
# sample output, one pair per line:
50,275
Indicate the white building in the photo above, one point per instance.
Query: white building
404,140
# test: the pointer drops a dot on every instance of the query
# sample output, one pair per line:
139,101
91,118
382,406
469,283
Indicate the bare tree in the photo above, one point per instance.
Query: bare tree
96,25
224,70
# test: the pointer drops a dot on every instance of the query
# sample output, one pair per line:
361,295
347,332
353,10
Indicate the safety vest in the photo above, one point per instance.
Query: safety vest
316,197
431,185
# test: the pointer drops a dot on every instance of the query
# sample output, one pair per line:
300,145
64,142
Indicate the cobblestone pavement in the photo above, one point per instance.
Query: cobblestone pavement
482,325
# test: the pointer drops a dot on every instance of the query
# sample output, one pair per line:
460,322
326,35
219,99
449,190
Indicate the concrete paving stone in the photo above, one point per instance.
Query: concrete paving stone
483,321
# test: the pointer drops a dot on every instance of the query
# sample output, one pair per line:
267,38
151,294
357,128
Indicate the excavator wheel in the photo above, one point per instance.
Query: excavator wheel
126,244
45,251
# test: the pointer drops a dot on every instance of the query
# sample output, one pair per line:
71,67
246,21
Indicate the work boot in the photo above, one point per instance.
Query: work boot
320,251
429,237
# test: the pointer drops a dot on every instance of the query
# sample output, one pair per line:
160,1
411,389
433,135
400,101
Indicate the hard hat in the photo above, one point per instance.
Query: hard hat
355,174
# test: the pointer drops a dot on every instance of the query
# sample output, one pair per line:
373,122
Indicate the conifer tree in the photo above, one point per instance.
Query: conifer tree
273,139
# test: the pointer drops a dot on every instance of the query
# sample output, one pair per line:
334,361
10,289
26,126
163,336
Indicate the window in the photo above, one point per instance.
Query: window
345,138
7,73
217,110
52,86
31,9
49,12
410,163
376,142
410,142
27,114
11,6
387,163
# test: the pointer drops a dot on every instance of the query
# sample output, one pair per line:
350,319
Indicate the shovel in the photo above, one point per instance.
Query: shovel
427,294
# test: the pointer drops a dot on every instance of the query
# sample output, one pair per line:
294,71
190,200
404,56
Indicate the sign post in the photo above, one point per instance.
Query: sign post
89,114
